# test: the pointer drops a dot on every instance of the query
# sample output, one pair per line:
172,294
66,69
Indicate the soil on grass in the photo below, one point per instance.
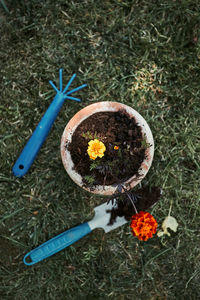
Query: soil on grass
125,148
143,199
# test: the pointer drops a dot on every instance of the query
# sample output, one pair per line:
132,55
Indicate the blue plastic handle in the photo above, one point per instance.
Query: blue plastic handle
57,244
38,137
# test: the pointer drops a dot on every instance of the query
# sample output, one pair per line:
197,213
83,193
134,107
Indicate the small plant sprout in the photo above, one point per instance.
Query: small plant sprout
96,149
89,136
145,144
90,180
93,165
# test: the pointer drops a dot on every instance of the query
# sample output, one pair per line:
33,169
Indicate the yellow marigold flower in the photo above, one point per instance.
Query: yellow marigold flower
116,147
96,149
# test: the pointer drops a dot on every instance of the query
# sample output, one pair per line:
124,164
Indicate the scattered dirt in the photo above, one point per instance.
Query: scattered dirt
114,129
143,199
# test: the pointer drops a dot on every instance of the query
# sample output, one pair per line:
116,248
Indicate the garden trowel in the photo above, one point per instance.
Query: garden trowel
65,239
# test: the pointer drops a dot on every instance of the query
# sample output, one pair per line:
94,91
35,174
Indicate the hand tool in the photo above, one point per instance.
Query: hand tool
65,239
39,135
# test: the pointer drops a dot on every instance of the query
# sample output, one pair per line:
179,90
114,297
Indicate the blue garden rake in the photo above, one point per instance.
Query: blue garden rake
39,135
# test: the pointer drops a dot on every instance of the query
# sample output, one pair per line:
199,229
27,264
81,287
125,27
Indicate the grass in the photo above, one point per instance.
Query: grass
145,54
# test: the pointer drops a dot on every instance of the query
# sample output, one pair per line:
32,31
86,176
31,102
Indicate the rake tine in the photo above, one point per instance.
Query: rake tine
69,83
53,86
76,89
72,98
60,79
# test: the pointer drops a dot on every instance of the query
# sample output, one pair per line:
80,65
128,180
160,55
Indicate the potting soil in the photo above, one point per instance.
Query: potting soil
124,153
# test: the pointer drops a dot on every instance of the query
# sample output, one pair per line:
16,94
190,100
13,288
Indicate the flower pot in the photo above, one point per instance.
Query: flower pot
87,112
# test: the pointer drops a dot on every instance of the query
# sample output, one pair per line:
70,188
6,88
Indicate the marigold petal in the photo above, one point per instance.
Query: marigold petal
143,225
96,149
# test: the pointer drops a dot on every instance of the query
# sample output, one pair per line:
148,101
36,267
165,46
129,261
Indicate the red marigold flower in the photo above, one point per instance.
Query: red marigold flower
143,225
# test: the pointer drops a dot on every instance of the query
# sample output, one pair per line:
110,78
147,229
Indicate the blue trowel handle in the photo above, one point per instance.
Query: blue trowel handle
38,137
57,244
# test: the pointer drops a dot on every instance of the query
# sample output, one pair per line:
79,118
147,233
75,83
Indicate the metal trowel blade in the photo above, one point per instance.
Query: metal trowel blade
102,218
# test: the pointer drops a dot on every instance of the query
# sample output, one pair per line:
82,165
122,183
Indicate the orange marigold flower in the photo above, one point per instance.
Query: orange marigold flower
116,147
143,225
96,149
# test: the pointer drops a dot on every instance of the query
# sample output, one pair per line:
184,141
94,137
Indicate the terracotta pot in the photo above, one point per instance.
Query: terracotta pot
84,114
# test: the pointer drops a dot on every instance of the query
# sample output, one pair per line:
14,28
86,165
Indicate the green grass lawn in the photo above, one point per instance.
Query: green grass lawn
145,54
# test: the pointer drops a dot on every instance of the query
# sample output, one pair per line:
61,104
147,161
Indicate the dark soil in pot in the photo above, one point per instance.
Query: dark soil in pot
125,148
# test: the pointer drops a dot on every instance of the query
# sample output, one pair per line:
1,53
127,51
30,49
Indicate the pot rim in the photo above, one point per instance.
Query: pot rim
83,114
